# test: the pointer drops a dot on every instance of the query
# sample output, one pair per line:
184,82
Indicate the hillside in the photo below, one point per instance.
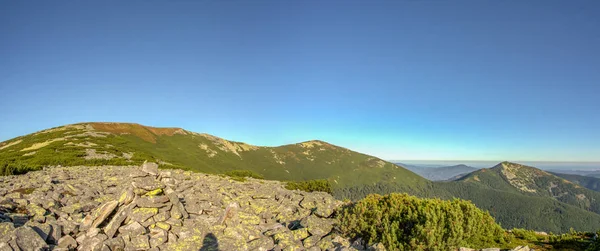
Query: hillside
530,181
439,173
589,182
131,144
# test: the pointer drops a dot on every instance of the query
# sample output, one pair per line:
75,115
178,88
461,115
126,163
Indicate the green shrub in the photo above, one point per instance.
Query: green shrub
310,186
403,222
241,175
528,235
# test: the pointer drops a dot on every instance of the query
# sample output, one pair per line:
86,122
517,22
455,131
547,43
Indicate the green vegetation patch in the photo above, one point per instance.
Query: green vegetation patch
241,175
310,186
404,222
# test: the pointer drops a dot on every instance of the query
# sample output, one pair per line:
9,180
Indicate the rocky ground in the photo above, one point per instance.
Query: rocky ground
133,208
143,208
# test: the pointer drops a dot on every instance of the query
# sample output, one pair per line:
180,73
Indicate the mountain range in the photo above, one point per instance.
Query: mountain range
516,195
439,173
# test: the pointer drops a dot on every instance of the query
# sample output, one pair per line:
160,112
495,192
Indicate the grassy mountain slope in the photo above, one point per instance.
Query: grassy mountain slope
439,173
589,182
131,144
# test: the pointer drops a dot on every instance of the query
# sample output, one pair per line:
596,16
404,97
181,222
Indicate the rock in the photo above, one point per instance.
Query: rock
55,234
163,225
150,168
126,197
147,184
340,242
6,231
287,238
133,229
43,230
262,244
176,203
36,210
151,201
115,244
163,214
113,225
326,243
490,249
96,218
521,248
311,241
138,243
5,247
157,236
317,226
28,239
230,213
93,243
465,249
141,214
67,242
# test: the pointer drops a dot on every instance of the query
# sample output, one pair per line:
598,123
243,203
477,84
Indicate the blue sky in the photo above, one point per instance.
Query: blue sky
442,80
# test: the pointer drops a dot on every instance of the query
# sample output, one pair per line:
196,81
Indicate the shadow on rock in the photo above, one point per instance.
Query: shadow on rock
210,243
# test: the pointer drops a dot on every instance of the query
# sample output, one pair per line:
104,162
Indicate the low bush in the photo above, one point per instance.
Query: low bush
403,222
241,175
310,186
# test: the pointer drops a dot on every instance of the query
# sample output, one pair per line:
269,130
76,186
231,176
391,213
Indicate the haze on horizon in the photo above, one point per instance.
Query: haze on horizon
460,80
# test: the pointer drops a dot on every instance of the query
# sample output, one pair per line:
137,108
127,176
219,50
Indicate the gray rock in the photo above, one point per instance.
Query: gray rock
150,168
93,244
147,183
67,242
55,234
140,242
142,214
126,197
490,249
5,247
6,231
29,239
43,230
521,248
113,225
176,203
152,201
317,226
96,218
115,244
157,237
133,229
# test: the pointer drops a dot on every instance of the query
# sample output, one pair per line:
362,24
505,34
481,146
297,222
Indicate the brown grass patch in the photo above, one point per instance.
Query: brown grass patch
144,132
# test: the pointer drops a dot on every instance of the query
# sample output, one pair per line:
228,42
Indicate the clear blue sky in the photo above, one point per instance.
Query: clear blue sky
480,80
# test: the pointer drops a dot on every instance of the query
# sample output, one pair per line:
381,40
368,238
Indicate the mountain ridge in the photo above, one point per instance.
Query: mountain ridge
98,143
352,175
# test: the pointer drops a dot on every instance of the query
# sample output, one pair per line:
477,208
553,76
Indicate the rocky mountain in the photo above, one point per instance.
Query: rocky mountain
439,173
132,144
